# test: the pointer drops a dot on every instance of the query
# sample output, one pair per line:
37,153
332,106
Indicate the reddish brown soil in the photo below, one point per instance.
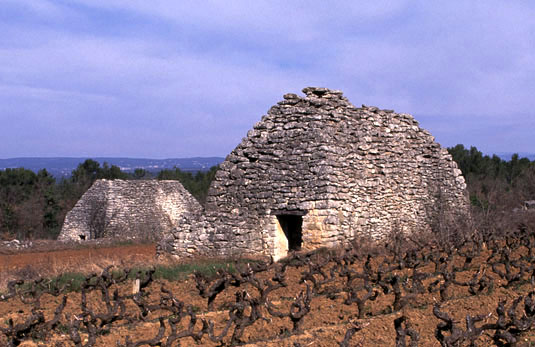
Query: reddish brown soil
325,325
72,258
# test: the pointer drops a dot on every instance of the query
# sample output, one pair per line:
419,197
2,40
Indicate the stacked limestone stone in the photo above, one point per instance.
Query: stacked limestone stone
145,209
348,171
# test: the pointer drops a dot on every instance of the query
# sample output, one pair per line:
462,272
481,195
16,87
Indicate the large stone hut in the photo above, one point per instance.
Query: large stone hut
142,209
318,171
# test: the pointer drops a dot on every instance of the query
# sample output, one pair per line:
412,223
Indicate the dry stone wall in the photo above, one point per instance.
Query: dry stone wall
145,209
318,171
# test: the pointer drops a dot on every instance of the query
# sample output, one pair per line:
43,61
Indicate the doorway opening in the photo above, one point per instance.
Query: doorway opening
292,225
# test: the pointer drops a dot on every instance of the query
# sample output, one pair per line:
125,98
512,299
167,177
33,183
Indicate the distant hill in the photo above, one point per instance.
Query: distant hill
507,156
62,166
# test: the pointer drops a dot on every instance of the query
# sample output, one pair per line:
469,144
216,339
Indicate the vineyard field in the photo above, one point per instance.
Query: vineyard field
404,294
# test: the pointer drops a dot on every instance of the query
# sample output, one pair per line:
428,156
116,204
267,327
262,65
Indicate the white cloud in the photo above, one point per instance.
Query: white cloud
50,95
43,8
222,64
458,60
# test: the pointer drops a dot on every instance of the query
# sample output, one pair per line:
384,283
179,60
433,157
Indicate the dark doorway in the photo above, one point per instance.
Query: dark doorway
292,227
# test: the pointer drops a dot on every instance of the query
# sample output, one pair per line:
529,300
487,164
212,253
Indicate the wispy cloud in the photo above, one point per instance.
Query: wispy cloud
44,94
168,70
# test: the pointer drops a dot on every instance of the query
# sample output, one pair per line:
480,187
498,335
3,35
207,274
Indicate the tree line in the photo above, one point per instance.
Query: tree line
34,205
490,178
497,188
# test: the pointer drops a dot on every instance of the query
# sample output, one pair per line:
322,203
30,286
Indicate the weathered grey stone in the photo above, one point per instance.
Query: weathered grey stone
131,209
317,162
342,171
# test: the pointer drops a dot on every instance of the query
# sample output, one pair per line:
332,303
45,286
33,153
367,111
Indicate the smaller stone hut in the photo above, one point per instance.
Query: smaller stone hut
134,209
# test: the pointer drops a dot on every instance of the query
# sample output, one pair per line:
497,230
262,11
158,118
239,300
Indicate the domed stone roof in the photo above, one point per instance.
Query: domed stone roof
318,171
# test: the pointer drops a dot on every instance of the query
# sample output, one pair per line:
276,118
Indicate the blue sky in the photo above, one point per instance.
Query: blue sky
157,79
